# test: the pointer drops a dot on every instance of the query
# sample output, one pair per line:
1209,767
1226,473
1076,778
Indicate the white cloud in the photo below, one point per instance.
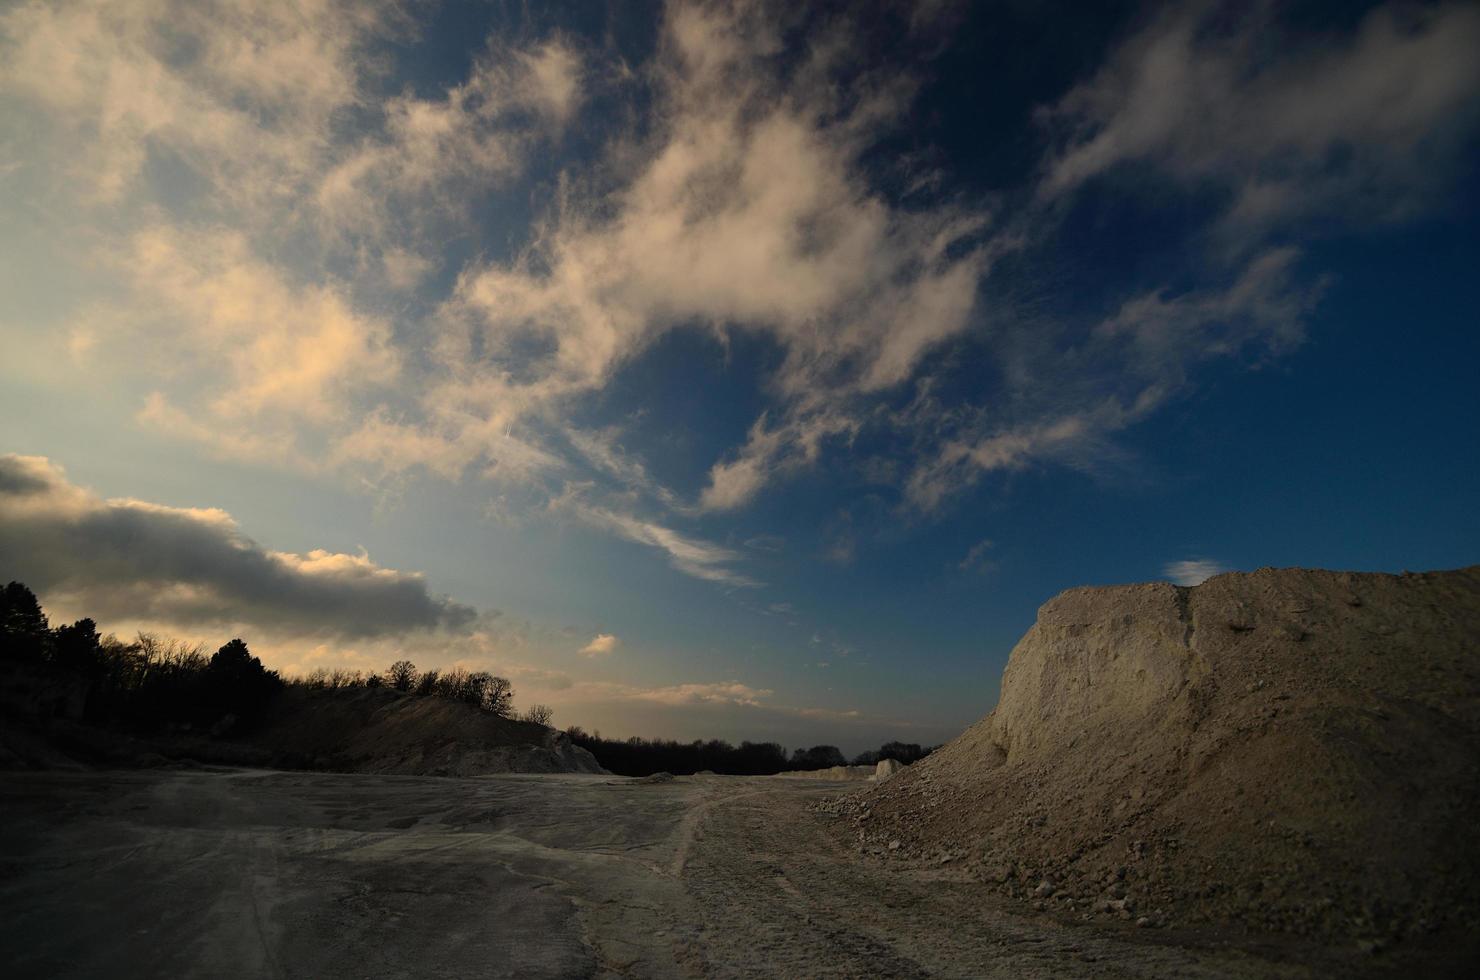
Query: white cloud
245,91
1193,571
259,342
769,452
601,645
249,285
748,208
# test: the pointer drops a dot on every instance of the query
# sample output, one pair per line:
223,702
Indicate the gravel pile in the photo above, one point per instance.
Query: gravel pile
1287,750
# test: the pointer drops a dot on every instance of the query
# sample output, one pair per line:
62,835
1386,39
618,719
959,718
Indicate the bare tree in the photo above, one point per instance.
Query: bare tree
402,675
452,684
498,696
540,714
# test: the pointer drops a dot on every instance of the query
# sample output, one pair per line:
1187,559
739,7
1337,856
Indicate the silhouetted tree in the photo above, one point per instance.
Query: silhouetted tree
642,757
498,696
473,685
427,683
540,714
237,682
453,684
818,757
78,647
24,632
402,675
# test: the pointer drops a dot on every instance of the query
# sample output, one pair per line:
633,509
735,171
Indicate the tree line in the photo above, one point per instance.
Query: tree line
644,757
479,688
152,683
147,683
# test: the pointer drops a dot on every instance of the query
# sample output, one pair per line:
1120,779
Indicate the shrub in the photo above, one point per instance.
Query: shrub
539,714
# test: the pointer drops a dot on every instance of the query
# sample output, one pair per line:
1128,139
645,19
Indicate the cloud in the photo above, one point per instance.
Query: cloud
254,99
430,154
770,452
269,354
246,92
602,451
1290,126
601,645
692,556
261,209
247,199
976,557
722,693
1193,571
139,561
749,207
1124,368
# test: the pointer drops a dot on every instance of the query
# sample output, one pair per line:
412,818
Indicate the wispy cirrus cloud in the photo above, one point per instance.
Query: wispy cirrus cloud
692,556
1204,101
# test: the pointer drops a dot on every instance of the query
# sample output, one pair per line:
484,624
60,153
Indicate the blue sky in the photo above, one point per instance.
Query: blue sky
718,369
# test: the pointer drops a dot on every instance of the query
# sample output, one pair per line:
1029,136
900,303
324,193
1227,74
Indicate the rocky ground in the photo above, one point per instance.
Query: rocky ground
257,873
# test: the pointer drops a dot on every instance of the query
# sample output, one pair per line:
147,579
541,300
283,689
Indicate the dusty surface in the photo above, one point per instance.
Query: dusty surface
270,874
1285,751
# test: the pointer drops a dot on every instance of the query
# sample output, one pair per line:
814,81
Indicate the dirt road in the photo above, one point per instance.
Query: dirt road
269,874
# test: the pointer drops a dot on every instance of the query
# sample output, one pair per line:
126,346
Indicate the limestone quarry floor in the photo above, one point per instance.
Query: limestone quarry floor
244,873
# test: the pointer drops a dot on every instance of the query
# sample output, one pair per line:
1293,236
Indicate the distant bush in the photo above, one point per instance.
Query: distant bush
643,757
539,714
818,757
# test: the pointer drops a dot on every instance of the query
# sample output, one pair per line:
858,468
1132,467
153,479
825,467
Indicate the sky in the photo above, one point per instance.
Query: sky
724,369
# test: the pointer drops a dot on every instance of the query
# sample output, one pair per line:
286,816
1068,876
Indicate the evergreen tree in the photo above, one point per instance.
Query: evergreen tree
24,631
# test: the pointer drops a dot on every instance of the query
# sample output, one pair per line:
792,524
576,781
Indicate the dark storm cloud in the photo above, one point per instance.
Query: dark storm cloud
140,561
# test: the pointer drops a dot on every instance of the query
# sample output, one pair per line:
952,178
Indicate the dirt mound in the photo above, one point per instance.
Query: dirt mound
385,731
1291,750
886,768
